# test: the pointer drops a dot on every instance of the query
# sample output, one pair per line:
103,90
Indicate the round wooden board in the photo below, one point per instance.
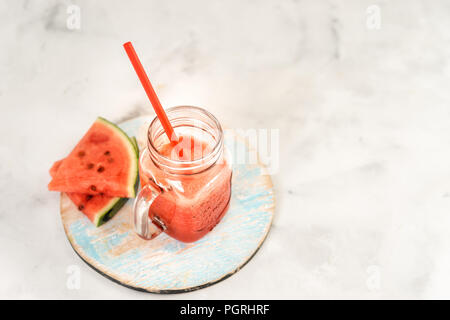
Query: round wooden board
165,265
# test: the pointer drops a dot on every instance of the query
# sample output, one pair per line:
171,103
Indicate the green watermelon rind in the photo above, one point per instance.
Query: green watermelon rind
116,203
135,145
109,210
133,154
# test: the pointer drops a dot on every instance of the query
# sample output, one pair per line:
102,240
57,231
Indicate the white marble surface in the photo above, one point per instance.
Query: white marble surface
363,192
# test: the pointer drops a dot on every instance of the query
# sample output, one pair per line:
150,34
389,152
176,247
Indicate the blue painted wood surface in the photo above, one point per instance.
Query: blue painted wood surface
166,265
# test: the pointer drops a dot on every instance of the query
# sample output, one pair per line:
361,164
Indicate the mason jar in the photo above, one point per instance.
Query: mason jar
185,186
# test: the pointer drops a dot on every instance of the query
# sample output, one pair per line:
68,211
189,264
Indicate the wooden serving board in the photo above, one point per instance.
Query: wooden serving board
165,265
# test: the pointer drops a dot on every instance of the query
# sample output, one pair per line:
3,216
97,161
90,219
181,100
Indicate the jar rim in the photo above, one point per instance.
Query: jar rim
170,163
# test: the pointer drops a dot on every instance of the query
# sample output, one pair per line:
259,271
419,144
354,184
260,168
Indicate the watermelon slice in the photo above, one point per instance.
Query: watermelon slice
104,162
100,208
97,208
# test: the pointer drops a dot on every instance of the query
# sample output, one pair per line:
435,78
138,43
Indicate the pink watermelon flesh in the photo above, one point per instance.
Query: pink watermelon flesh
104,162
97,208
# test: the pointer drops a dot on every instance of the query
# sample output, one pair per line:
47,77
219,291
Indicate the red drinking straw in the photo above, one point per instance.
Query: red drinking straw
150,92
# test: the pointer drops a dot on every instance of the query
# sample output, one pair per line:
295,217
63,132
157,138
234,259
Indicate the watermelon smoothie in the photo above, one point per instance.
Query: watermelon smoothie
186,186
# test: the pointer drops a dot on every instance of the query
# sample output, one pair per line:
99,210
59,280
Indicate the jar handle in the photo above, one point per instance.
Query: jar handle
144,226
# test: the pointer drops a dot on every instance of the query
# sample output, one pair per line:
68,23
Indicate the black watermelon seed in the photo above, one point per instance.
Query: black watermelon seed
101,169
107,153
89,197
93,188
80,207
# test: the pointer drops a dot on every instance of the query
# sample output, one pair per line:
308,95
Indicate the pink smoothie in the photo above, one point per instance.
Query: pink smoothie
190,205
